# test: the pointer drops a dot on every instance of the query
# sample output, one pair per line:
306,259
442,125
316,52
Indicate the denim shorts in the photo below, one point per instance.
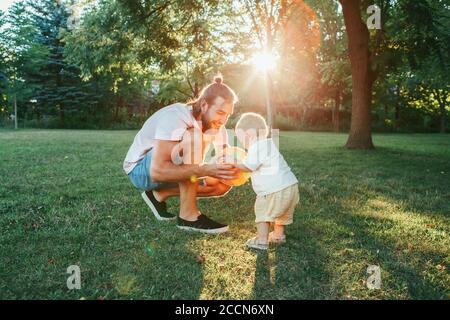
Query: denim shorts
141,179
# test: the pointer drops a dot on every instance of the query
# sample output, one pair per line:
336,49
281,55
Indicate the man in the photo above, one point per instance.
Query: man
166,157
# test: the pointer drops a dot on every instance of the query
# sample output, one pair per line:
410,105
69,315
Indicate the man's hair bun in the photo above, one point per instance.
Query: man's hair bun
218,79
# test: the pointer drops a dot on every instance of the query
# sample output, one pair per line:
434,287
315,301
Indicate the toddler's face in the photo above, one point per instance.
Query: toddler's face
246,137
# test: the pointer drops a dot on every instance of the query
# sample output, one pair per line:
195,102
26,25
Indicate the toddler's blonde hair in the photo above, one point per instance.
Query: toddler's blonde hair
254,123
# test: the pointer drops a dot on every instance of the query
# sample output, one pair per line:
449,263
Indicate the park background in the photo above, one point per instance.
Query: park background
327,81
91,64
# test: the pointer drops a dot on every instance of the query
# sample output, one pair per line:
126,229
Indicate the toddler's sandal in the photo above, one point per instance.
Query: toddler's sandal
254,243
275,240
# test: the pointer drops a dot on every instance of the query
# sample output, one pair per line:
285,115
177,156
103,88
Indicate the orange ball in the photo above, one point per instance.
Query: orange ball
234,155
239,181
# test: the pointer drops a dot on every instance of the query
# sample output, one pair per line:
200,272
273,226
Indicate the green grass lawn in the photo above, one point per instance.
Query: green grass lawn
65,200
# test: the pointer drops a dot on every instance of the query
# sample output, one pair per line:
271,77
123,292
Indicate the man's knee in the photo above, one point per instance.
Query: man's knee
222,189
192,146
219,187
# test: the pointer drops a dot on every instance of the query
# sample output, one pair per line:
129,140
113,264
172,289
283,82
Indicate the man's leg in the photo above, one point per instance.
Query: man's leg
213,188
190,217
193,150
192,147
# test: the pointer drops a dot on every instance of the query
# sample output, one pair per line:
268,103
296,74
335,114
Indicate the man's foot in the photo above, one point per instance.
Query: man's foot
255,243
276,239
202,224
159,209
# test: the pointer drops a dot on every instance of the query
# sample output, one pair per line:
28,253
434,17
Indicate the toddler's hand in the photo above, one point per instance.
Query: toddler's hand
221,159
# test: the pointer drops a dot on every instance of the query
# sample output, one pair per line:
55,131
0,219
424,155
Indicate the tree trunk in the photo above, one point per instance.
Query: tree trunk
15,112
268,96
442,120
397,113
360,136
337,104
61,105
196,90
304,114
441,101
273,109
119,105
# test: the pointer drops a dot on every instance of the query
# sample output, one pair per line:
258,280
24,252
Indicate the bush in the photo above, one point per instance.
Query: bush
283,122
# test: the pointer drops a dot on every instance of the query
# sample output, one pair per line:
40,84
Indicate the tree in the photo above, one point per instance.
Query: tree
424,41
133,42
58,91
288,29
189,38
20,55
360,136
57,87
333,57
3,76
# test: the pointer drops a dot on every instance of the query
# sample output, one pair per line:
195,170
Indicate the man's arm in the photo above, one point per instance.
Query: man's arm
163,169
236,163
220,142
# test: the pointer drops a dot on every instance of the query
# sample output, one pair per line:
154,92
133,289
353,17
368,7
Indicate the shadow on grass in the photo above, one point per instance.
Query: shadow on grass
327,256
311,267
162,264
295,270
399,265
425,177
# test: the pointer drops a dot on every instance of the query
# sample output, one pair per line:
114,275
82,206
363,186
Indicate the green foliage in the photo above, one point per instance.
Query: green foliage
421,51
20,55
333,64
100,69
3,73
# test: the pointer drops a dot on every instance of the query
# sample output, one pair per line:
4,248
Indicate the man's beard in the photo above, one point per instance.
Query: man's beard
208,125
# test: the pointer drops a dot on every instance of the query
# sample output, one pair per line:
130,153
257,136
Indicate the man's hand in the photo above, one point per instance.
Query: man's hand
222,159
238,165
219,171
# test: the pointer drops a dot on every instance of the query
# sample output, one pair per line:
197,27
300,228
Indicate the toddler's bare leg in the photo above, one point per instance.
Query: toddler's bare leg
262,231
278,231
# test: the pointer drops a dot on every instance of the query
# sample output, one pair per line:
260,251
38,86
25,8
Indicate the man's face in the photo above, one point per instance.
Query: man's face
216,116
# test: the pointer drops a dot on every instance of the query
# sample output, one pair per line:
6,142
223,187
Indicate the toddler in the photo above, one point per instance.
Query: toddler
275,185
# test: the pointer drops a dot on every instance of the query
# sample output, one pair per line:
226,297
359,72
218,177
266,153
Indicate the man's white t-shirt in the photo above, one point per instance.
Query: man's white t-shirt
270,172
168,123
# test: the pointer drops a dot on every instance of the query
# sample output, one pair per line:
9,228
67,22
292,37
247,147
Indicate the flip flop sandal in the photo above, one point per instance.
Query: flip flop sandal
254,243
275,240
